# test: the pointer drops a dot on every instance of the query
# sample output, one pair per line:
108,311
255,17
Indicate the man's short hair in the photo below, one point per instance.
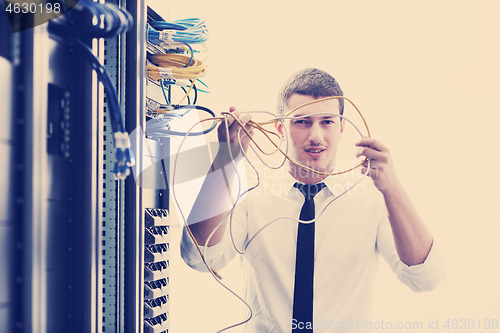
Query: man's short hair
309,82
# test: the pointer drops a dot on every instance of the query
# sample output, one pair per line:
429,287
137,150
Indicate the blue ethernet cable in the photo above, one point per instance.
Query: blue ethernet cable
112,21
123,155
182,24
164,94
206,91
195,32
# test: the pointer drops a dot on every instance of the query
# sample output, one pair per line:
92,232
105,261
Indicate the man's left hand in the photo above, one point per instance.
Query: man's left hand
382,169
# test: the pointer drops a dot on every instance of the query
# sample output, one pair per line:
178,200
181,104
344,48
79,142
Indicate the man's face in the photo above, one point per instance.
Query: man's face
313,140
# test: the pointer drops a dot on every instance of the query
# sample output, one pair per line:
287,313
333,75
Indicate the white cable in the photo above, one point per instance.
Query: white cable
319,215
216,278
229,214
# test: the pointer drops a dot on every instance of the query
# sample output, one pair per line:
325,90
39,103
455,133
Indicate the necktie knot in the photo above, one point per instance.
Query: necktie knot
309,190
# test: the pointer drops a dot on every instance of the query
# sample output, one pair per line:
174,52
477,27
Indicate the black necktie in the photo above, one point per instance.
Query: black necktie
304,262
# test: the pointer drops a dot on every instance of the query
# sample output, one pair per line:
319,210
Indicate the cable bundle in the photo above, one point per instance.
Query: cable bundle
189,31
174,68
95,20
91,19
171,66
160,126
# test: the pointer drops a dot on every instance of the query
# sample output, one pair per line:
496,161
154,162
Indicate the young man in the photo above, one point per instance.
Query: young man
317,273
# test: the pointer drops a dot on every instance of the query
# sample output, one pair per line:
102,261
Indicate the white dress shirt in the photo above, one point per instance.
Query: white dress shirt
350,233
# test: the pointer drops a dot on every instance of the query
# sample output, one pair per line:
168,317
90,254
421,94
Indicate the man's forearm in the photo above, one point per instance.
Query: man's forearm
202,230
214,202
412,238
218,192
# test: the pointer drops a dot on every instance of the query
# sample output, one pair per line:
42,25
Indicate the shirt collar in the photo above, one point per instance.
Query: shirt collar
291,191
334,184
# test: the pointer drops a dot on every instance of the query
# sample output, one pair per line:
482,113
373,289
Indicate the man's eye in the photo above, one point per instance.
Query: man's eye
328,122
300,121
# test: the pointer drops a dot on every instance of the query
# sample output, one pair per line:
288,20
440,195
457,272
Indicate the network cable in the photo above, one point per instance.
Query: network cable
173,66
190,31
182,24
258,126
187,86
160,126
107,21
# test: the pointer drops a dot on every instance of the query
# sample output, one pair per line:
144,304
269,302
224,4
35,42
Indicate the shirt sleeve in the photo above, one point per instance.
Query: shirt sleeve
218,255
419,278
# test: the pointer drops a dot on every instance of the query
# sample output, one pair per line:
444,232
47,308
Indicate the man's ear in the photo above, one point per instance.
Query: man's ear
279,127
342,126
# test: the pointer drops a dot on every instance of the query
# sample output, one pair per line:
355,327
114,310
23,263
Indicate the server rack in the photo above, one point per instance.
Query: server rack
147,198
79,249
49,271
49,244
9,157
73,239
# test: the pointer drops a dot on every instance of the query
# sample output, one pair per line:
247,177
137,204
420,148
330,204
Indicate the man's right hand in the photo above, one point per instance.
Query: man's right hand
234,128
